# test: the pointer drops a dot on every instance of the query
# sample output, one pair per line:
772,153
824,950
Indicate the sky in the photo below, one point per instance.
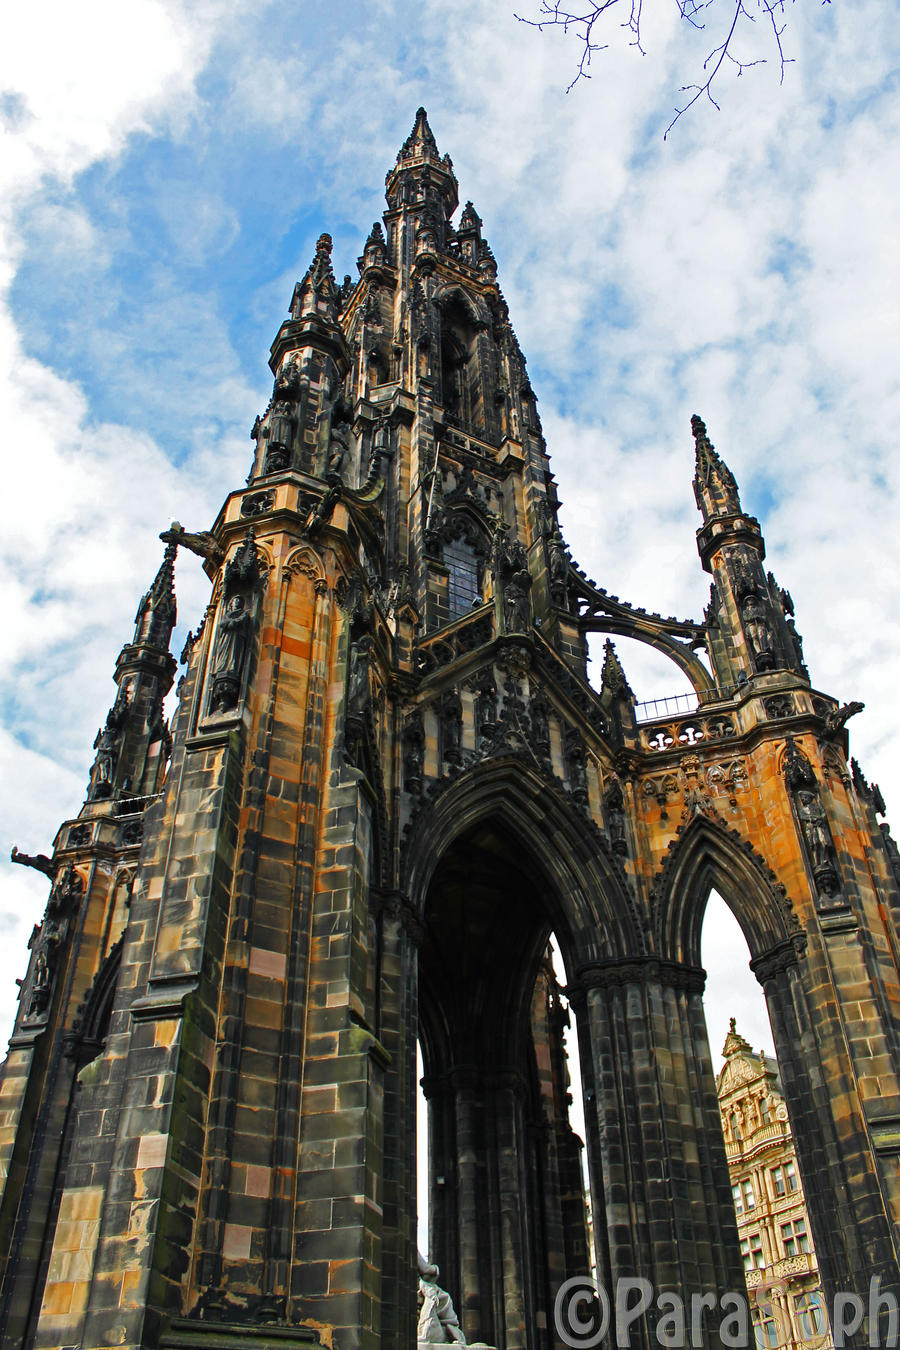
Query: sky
165,170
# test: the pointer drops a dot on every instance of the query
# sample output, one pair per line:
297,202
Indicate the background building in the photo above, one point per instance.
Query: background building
782,1274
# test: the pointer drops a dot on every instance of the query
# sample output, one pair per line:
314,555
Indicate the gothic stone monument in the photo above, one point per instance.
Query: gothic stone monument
387,781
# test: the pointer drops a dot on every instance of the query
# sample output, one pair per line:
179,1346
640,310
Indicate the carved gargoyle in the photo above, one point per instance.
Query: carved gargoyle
835,721
40,862
203,544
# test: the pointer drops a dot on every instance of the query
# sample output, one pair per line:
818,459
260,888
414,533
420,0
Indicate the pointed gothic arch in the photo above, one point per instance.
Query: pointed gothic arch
706,855
596,915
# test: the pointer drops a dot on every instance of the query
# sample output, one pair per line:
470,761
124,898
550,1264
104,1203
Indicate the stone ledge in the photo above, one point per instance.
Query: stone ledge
188,1334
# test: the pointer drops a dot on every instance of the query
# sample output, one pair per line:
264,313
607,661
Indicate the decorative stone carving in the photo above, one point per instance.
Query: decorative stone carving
47,940
282,420
516,604
614,809
812,819
758,631
576,765
450,710
413,752
540,725
838,717
229,653
257,503
40,862
557,566
106,743
485,708
242,570
438,1323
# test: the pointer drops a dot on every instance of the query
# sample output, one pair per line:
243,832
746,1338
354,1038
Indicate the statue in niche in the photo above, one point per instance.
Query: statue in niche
339,441
540,725
813,823
486,710
557,563
358,677
106,744
282,419
413,752
576,767
796,642
516,606
615,816
438,1323
451,728
228,655
759,634
40,988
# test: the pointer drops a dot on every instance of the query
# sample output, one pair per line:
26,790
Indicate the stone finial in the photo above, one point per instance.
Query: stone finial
735,1043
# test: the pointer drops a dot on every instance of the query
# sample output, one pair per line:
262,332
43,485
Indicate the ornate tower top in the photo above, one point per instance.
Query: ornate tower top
421,174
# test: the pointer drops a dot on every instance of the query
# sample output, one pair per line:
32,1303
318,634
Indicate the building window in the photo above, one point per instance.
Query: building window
784,1179
749,1193
810,1314
461,562
736,1125
765,1326
736,1197
795,1237
751,1250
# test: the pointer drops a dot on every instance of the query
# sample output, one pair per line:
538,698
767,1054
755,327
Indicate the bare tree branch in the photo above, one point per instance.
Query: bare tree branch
585,24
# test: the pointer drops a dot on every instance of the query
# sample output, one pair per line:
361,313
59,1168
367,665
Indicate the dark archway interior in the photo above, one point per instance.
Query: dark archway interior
507,1213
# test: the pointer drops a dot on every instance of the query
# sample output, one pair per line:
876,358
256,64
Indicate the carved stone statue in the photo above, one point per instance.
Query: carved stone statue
451,728
358,677
615,816
106,744
486,709
438,1323
759,635
413,752
557,563
516,607
813,820
228,655
282,418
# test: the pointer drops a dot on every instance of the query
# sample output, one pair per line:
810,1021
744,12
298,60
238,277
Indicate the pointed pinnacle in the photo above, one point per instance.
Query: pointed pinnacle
421,134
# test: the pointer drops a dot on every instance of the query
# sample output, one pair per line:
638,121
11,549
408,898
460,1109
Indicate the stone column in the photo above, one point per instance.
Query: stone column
655,1144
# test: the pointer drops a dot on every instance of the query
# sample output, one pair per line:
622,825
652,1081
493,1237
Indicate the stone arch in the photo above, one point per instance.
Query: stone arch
676,651
707,856
305,560
88,1036
454,294
596,918
495,860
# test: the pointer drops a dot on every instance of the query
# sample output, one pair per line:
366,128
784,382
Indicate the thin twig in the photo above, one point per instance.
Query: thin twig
584,23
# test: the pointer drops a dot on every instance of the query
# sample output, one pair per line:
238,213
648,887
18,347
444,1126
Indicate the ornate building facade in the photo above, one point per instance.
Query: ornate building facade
386,783
774,1230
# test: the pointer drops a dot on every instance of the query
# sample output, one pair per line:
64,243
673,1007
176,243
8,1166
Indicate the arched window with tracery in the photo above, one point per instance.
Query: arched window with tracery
464,589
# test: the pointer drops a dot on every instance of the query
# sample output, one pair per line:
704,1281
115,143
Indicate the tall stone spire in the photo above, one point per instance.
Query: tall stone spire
133,744
714,486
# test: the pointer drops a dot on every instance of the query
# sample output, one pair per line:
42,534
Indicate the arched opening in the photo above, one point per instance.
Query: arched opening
784,1292
507,1220
460,390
